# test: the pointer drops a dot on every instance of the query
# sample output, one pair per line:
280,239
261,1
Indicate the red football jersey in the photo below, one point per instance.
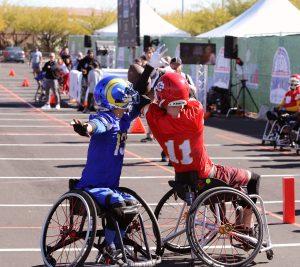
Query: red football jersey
182,138
290,100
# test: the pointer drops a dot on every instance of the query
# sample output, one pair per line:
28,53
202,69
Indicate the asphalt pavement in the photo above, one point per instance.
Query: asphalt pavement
39,152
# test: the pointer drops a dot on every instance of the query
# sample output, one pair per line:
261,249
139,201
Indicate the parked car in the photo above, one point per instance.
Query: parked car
13,53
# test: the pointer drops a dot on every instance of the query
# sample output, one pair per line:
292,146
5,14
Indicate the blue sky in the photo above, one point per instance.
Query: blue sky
161,6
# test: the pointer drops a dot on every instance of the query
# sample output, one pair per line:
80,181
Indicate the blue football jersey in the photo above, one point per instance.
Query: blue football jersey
106,151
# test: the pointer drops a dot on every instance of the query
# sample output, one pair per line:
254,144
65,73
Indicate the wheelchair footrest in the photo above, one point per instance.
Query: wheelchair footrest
130,209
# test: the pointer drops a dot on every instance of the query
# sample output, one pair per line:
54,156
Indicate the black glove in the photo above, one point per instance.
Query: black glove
79,128
142,83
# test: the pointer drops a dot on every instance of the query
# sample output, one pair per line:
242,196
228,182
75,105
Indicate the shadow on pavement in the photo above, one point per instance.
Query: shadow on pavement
244,126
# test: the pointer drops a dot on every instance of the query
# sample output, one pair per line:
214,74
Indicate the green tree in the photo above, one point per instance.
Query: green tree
96,20
207,18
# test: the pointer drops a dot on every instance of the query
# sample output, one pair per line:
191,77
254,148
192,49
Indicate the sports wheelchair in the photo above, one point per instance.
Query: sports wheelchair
207,222
73,232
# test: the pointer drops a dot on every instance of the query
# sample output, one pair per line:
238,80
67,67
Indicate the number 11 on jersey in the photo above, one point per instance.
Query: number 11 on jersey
185,148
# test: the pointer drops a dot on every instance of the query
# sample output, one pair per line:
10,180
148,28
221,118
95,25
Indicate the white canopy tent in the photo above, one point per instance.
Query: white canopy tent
150,24
264,18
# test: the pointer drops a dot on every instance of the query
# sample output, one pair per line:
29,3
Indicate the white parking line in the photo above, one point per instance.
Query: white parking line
33,126
131,159
150,204
127,177
68,177
286,245
86,144
30,111
14,119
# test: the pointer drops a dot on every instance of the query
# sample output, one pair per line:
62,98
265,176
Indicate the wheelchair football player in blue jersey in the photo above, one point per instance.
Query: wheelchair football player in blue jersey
99,187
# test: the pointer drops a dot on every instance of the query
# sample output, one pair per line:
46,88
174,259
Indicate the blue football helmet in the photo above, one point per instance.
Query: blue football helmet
113,92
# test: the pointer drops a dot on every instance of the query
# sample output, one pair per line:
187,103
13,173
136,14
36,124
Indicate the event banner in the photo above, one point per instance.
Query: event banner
251,71
222,71
281,73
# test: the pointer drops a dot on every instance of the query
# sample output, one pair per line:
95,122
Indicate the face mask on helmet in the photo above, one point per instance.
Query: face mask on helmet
294,81
172,90
113,92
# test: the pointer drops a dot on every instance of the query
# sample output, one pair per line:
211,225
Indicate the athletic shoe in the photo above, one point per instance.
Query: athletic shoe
57,106
46,107
147,139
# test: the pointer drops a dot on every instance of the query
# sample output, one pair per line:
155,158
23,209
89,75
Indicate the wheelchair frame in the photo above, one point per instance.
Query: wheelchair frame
67,232
269,135
266,244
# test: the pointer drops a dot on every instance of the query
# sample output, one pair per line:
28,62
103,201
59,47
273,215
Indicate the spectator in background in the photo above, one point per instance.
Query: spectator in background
76,61
143,60
176,65
66,57
94,76
146,57
35,60
85,65
51,81
64,75
148,53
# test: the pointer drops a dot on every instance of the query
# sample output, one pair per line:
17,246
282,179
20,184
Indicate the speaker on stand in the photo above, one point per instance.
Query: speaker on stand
231,52
87,41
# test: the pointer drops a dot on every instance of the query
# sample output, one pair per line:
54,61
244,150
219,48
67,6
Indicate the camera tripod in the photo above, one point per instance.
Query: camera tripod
242,92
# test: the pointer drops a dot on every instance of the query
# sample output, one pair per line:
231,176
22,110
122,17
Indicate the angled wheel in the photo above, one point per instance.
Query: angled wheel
171,213
142,239
216,232
69,230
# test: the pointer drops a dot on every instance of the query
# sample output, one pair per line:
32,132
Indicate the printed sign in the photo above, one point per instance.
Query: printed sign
128,23
281,73
222,71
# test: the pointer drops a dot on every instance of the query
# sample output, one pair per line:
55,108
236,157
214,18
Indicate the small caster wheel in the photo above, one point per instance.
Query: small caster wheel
270,254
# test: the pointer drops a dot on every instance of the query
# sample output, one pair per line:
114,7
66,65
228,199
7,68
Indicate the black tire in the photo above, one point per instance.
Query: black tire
38,95
70,227
263,142
152,231
160,210
218,225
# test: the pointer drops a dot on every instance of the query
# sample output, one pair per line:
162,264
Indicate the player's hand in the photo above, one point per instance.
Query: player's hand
156,59
79,127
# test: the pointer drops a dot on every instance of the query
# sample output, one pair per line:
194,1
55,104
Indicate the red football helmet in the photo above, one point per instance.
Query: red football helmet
294,81
172,90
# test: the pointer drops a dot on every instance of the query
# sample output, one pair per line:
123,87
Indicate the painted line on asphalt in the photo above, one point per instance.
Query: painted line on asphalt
14,119
125,177
40,134
150,204
77,177
86,144
34,126
51,113
29,111
49,134
286,245
131,159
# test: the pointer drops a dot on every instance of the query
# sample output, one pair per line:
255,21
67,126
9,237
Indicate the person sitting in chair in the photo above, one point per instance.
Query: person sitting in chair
119,105
177,123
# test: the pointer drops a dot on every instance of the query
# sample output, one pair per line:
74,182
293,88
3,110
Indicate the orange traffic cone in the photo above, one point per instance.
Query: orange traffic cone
137,126
52,100
12,73
26,83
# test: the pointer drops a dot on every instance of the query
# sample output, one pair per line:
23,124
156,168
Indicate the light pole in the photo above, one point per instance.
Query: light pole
182,8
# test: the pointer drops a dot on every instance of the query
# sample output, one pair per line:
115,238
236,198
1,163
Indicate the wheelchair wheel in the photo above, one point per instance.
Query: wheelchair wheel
171,213
142,239
69,230
216,233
